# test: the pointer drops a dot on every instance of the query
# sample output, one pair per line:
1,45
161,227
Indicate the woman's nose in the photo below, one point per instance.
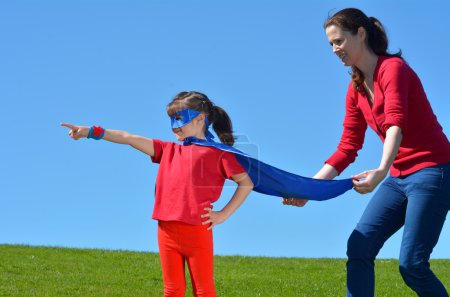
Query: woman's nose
335,48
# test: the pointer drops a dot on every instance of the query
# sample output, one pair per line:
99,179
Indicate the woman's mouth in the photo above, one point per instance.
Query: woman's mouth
342,56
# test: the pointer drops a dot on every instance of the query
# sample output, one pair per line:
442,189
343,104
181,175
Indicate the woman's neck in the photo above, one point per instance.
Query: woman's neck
367,65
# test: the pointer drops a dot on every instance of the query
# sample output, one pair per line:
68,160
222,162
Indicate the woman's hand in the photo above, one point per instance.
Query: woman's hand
371,180
373,177
214,217
77,132
295,201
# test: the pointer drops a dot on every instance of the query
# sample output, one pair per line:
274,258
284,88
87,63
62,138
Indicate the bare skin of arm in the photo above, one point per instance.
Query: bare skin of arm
245,186
140,143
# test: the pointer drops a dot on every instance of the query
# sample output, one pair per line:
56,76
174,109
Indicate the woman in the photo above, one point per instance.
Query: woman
387,95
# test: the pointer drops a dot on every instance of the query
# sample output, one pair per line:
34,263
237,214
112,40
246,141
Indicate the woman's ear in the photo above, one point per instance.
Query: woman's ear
362,34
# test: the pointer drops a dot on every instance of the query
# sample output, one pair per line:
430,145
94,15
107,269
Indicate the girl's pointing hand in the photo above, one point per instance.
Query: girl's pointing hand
76,132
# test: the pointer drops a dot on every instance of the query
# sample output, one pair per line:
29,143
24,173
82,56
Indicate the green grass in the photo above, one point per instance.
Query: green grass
43,271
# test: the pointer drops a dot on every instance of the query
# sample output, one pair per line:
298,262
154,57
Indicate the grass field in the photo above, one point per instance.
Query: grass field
43,271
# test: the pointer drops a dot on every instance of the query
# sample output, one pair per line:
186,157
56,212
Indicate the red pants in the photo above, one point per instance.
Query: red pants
179,243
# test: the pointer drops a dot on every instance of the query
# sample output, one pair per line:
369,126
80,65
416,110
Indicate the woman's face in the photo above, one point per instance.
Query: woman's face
346,46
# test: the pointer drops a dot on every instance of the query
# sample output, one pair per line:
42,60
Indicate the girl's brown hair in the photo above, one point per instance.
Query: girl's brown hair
351,19
216,115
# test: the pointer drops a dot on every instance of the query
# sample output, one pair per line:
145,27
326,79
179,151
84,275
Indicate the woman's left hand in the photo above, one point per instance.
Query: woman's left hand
371,180
213,218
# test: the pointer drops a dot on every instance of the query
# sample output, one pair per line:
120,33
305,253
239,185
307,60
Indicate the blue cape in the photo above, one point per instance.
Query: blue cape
276,182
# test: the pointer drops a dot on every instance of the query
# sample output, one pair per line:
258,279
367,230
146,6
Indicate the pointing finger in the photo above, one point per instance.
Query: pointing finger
70,126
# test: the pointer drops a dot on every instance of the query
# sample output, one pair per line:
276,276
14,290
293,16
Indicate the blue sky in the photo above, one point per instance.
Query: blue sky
118,63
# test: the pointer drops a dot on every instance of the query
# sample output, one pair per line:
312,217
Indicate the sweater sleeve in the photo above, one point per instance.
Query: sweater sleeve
352,138
394,81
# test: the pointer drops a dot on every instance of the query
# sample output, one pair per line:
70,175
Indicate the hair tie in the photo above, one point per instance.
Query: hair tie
203,105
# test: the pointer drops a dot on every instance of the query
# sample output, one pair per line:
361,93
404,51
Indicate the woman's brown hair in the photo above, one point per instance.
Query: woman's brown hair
351,19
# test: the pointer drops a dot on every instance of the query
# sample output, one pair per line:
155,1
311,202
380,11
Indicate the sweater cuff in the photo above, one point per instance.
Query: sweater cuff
392,121
339,161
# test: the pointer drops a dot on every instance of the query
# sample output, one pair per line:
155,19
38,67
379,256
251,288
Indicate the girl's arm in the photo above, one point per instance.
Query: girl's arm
245,186
141,143
373,177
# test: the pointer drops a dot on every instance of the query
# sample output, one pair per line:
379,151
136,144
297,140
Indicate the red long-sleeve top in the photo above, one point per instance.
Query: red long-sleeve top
399,100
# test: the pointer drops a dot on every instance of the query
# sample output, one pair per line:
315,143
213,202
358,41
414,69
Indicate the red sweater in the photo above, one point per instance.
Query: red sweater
189,179
399,100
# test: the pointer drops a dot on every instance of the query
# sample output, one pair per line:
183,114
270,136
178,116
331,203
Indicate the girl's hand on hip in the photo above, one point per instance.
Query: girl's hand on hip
295,201
213,217
371,179
76,132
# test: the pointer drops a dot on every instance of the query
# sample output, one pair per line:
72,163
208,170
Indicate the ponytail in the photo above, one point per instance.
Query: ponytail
222,125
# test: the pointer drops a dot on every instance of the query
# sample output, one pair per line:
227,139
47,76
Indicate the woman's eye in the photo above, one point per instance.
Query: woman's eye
336,42
178,117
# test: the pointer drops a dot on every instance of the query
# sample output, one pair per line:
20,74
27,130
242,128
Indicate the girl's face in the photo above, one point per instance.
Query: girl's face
348,47
194,128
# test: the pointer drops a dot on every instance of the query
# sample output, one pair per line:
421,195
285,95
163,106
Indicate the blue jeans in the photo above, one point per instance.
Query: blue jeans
419,202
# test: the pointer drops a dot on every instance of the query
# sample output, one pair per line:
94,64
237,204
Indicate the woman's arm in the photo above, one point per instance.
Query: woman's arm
327,172
245,186
140,143
373,177
351,142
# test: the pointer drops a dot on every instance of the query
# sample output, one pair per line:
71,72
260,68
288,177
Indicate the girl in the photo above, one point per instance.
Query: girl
190,178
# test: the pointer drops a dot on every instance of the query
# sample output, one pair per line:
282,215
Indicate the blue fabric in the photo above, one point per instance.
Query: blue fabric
276,182
185,116
419,202
209,136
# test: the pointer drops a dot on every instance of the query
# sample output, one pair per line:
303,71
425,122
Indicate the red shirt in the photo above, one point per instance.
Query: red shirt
399,100
189,179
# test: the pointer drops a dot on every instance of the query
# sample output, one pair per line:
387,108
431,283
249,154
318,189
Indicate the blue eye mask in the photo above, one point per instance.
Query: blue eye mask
185,116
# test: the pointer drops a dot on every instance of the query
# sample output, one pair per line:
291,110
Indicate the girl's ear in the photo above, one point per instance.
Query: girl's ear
200,117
